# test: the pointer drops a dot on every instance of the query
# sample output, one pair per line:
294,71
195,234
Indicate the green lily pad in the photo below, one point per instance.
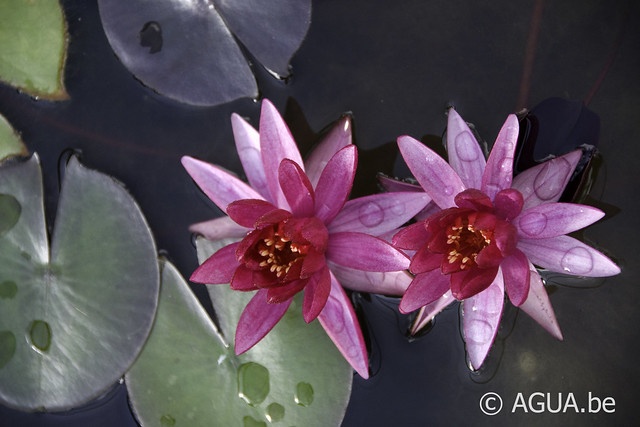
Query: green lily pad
10,143
73,315
188,374
33,45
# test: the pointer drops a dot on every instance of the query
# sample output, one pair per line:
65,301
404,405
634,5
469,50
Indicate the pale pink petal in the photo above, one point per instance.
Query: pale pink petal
544,183
257,319
276,144
334,185
480,320
378,213
219,267
316,293
218,228
433,173
555,219
515,271
465,154
248,146
538,306
364,252
219,185
499,170
564,254
375,282
338,137
429,311
424,289
296,188
341,324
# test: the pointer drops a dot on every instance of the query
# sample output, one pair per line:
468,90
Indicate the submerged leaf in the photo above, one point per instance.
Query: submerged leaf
33,44
76,314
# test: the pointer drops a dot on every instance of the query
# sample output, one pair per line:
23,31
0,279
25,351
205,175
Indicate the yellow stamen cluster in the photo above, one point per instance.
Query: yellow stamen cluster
466,242
278,254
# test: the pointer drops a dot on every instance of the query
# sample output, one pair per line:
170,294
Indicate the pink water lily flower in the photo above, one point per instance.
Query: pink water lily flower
297,232
490,232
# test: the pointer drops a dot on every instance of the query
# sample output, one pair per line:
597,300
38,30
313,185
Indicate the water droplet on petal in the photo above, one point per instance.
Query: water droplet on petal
275,412
253,383
7,347
371,214
304,394
482,332
40,335
167,421
548,183
577,261
398,209
463,140
8,289
533,223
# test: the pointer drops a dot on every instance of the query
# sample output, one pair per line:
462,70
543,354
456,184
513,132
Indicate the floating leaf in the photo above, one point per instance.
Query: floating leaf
73,317
33,44
188,374
10,143
186,50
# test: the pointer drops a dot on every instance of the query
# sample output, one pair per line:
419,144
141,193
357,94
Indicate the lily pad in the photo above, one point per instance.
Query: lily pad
189,375
10,143
187,50
33,46
74,314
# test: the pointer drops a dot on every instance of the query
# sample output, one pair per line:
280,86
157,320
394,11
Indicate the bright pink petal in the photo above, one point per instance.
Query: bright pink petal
515,270
341,324
375,282
424,289
257,319
247,212
544,183
508,203
480,320
433,173
276,144
475,199
218,228
220,186
219,267
313,262
429,311
465,154
538,306
296,188
316,293
338,137
365,252
564,254
466,284
555,219
424,260
412,237
248,147
378,213
282,293
499,170
334,185
243,280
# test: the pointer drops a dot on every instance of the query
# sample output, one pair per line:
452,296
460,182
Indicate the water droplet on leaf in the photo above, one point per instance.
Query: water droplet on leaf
7,347
253,383
275,412
304,394
250,422
9,212
40,335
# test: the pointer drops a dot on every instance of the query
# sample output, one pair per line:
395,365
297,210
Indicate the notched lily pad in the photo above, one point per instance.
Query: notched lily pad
33,46
74,314
188,374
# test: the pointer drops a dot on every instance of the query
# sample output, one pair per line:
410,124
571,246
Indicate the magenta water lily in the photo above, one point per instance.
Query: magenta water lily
490,232
297,231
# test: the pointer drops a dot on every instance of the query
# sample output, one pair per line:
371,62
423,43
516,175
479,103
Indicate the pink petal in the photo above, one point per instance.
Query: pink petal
538,306
375,282
365,252
276,144
338,137
555,219
544,183
564,254
257,319
515,270
378,213
220,186
248,147
465,154
508,203
424,260
429,312
499,170
395,185
247,212
412,237
243,280
285,292
423,290
467,284
334,185
316,293
434,174
219,267
296,188
341,324
480,320
218,228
